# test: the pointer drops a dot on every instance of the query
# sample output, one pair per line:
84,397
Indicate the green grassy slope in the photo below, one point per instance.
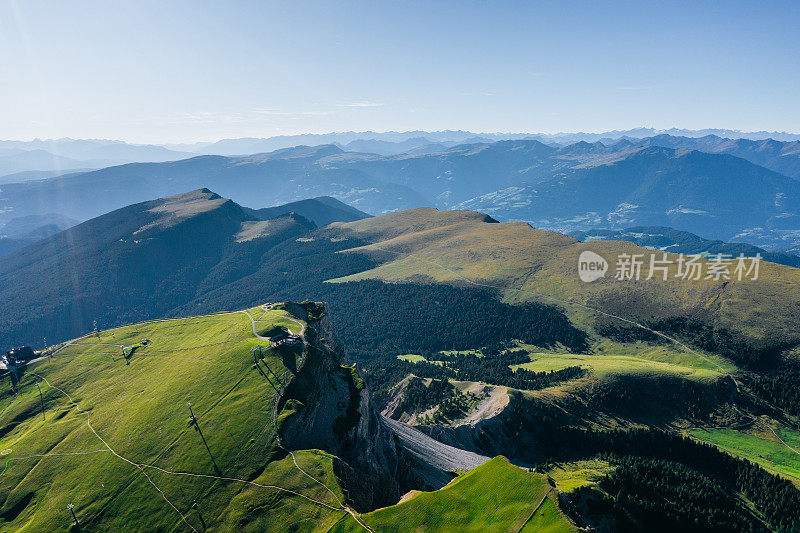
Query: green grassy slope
496,496
571,475
547,519
602,365
767,452
141,465
526,263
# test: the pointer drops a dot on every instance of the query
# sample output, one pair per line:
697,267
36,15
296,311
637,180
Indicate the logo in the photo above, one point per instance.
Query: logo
591,266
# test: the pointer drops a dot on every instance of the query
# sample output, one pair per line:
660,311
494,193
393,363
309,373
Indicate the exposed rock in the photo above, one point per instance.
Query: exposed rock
327,407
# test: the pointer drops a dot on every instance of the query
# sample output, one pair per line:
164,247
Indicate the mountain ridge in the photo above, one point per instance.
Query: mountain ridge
523,173
170,247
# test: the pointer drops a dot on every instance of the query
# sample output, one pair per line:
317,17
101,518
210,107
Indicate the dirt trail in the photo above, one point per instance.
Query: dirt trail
142,466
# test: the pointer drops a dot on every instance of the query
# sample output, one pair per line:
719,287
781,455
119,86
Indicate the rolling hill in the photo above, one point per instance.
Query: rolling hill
198,252
526,264
184,432
538,366
112,268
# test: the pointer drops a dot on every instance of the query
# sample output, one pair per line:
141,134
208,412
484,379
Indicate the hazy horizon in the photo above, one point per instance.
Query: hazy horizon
202,71
404,132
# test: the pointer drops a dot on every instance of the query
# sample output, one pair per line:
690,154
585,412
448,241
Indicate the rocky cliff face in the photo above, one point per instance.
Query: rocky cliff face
327,407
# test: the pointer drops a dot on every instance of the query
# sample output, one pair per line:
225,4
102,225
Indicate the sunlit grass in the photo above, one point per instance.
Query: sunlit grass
139,407
766,452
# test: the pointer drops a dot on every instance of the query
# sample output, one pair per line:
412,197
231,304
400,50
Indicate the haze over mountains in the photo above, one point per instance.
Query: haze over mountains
60,155
419,137
730,190
22,231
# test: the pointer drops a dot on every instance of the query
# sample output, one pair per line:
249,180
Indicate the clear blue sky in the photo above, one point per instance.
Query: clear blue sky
169,71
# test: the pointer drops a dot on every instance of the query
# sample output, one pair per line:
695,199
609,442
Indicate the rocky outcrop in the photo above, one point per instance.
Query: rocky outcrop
327,406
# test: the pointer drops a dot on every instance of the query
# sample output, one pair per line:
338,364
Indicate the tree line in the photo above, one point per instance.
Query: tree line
657,463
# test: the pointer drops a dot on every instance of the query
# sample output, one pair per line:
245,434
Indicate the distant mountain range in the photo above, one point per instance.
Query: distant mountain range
254,181
715,196
782,157
723,189
60,155
395,142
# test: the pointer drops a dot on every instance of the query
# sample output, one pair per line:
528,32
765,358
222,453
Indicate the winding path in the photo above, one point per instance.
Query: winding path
142,466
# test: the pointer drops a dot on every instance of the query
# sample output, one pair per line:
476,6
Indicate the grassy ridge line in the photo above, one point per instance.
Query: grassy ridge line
142,465
722,369
548,518
493,497
514,254
533,511
73,342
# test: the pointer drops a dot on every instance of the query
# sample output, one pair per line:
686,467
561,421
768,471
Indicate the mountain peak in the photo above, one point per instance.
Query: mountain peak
173,210
197,194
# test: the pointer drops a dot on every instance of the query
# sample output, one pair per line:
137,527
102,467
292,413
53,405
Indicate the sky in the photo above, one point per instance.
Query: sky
184,71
